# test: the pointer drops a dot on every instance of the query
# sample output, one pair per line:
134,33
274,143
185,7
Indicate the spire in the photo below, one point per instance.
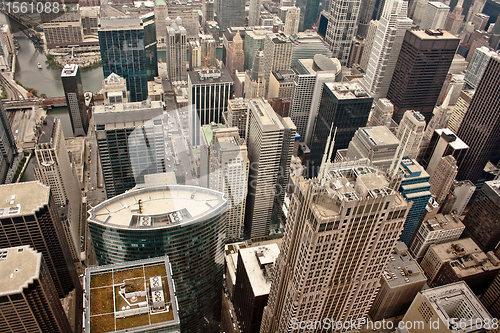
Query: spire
327,155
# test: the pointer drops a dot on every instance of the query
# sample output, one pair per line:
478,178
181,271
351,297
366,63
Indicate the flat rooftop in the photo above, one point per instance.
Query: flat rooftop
159,207
380,136
69,70
136,296
347,90
454,141
19,266
22,198
402,269
255,260
265,112
210,76
433,34
442,222
120,23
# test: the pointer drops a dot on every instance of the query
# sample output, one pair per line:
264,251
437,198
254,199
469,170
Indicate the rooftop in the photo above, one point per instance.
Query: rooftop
411,169
402,268
159,207
442,222
19,266
122,23
454,141
258,262
453,300
138,296
380,136
22,198
439,5
69,70
432,34
210,76
347,90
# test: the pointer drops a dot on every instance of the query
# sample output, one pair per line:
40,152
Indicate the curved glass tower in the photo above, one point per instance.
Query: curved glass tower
187,223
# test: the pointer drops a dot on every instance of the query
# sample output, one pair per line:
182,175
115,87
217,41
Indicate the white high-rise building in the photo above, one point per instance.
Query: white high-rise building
278,51
54,168
367,50
342,26
478,63
435,15
411,131
386,46
418,11
340,232
381,114
176,50
292,21
229,174
254,13
267,134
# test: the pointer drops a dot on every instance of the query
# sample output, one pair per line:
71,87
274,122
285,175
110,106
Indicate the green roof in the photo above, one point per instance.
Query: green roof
208,131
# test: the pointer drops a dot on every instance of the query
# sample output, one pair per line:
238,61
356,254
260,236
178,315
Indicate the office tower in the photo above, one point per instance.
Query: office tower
381,114
308,89
278,51
437,307
253,282
292,21
254,13
237,115
73,90
478,65
481,220
266,142
435,15
176,50
229,174
367,50
420,71
64,30
346,106
410,132
309,12
342,19
255,81
479,129
460,260
235,58
480,21
29,301
377,144
394,296
357,47
229,13
129,150
366,9
443,177
490,298
161,13
454,21
208,93
7,145
386,46
414,187
114,89
31,217
339,278
443,143
436,230
149,279
419,7
476,7
254,41
135,60
53,168
188,224
281,84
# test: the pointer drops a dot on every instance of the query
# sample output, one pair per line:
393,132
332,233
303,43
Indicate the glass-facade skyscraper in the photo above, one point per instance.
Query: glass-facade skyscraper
188,224
128,48
7,145
75,98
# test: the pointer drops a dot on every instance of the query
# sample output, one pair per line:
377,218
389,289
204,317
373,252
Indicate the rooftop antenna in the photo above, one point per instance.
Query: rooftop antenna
399,155
326,155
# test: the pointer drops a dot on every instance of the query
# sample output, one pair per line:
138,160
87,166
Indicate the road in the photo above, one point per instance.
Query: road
227,321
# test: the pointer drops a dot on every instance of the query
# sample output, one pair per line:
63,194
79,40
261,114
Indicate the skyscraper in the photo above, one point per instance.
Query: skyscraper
292,21
309,12
477,66
230,13
443,177
366,9
53,168
254,41
229,174
255,81
254,13
29,300
342,19
7,145
454,21
266,141
31,217
278,50
460,110
346,106
435,15
384,53
188,224
208,94
237,115
128,48
480,129
481,222
381,114
176,50
420,71
339,277
410,132
73,90
367,49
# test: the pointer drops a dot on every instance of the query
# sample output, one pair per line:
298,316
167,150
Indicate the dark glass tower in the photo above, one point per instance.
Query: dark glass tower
230,13
75,98
480,128
7,145
346,106
420,71
128,48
